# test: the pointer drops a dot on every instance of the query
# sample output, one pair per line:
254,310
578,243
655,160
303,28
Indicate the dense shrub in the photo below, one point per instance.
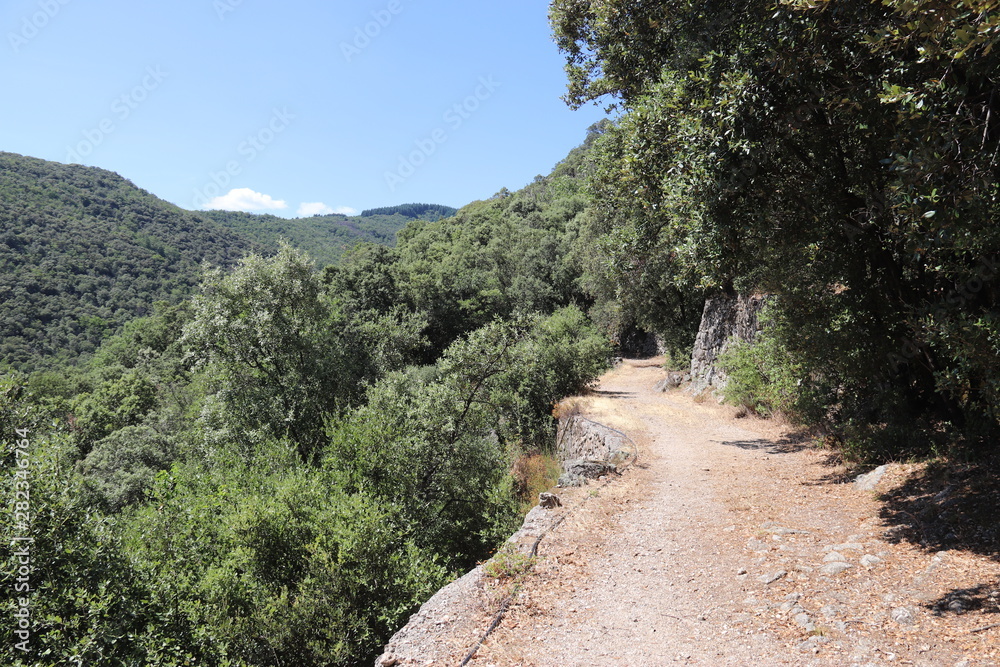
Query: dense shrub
761,377
273,564
121,468
88,604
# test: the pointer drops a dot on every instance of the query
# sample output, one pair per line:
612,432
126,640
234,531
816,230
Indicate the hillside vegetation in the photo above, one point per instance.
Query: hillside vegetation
281,468
327,237
83,251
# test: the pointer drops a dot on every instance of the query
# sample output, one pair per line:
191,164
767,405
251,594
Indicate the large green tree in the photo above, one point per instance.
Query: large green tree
282,353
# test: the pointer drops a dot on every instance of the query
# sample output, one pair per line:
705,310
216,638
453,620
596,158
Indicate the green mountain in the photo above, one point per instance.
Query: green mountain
83,251
430,212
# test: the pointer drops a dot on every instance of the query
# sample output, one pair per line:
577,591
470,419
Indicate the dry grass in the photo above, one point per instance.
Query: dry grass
535,473
603,409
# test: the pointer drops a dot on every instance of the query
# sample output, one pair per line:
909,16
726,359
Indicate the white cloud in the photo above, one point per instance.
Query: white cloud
319,208
245,199
314,208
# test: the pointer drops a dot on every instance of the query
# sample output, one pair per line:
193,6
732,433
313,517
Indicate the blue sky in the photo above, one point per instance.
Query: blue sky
293,107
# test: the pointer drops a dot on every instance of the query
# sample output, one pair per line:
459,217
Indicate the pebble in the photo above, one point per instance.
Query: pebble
830,611
903,616
774,528
809,646
767,579
835,568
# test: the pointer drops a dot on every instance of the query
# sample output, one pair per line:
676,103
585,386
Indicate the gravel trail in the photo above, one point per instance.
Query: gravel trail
730,543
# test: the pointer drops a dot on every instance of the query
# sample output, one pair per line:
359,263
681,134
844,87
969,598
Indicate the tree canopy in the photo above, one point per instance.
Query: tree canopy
842,156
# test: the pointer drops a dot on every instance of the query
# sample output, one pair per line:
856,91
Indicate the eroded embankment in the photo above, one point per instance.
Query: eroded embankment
450,626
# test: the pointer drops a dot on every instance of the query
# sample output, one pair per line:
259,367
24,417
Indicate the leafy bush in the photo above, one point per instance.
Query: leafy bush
571,352
114,404
122,467
761,376
275,565
88,604
282,353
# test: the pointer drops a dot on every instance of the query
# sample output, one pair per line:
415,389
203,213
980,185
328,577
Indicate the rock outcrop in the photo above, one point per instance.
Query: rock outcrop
581,438
725,319
453,620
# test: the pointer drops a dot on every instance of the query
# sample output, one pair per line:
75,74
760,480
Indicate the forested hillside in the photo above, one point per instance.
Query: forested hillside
281,468
414,211
83,251
840,156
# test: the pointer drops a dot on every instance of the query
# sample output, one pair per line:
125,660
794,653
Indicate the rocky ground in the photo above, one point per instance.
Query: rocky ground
732,542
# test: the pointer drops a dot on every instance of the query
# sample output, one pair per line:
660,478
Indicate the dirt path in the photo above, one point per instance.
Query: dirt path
730,545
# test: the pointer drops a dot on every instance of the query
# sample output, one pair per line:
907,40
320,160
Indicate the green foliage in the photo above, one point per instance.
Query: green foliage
563,354
122,467
16,405
145,339
113,405
443,449
855,176
496,258
83,251
324,237
429,212
431,450
277,566
87,603
257,475
266,337
282,354
761,377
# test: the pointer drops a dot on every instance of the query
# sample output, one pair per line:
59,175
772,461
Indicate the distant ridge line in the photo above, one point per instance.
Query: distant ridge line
413,210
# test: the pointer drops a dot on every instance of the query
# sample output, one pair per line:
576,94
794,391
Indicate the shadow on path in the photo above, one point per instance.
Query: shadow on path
613,394
786,445
951,506
984,599
947,506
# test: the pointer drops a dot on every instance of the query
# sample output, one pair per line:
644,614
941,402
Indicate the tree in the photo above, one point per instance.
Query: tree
272,345
843,158
122,467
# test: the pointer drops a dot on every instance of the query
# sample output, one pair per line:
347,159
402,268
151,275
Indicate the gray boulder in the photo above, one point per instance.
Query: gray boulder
869,481
578,471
